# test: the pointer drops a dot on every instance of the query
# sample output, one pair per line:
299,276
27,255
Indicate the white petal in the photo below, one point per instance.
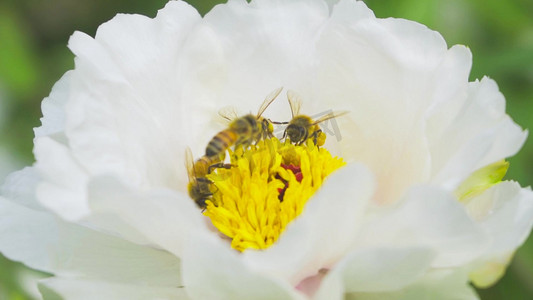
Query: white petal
510,214
349,11
505,213
26,235
43,242
409,42
64,188
164,217
20,188
212,270
262,45
428,217
451,78
324,231
53,108
80,289
437,285
387,98
386,94
154,48
376,270
84,253
127,114
391,60
470,133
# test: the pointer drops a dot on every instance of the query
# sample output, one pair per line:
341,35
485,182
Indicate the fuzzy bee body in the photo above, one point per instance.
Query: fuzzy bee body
302,127
243,130
199,187
220,142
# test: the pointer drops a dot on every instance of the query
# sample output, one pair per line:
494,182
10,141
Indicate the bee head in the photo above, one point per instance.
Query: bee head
298,128
295,133
199,191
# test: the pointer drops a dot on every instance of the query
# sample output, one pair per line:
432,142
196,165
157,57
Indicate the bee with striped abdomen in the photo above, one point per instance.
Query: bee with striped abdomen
242,130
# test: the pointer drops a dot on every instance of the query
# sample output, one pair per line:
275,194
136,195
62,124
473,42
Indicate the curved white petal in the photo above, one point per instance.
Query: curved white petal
164,217
212,270
126,98
450,85
505,213
43,242
26,234
63,188
258,46
376,270
387,73
349,12
438,285
324,231
115,121
20,187
428,217
85,253
53,109
82,289
471,133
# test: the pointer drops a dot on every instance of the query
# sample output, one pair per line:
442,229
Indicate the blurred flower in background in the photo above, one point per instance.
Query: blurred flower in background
8,161
28,77
16,281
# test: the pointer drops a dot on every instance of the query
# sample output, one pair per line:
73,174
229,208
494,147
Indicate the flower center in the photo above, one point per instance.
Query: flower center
265,189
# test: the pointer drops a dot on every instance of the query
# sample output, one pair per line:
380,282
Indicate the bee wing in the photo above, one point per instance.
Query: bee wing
331,115
189,164
295,101
269,99
228,113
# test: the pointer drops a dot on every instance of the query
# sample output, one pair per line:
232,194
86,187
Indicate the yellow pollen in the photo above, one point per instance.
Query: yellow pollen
266,187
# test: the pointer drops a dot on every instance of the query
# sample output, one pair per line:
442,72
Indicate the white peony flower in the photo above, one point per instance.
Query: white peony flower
417,211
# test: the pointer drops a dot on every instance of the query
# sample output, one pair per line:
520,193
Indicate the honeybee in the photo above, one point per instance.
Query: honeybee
302,127
199,187
243,130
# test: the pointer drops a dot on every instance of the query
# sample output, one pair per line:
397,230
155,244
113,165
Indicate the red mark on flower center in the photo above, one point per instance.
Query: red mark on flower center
296,170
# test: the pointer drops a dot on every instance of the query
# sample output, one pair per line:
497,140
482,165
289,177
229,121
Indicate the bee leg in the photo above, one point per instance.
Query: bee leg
218,165
305,136
203,180
205,197
315,136
246,144
216,189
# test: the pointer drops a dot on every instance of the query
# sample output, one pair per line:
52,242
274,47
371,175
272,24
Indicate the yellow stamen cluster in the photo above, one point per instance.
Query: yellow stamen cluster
265,189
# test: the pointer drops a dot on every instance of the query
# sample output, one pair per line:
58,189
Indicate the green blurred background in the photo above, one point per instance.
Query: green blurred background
33,55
